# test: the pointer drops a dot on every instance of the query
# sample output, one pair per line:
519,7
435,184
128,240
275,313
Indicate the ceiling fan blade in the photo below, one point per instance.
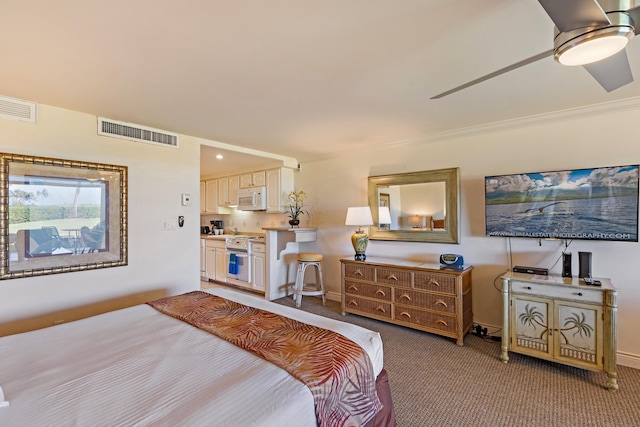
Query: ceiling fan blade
634,14
612,72
571,14
496,73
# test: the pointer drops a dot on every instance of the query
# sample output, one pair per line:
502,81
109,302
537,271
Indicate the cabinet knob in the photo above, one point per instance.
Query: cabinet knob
407,297
528,287
381,292
381,308
442,303
442,322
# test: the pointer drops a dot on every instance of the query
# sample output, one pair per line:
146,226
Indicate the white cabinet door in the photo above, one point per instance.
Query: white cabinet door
279,185
234,184
221,264
259,272
211,201
210,268
223,191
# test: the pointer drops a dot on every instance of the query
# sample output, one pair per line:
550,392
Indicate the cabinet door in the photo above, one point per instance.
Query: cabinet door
578,334
245,180
210,268
258,272
273,191
531,325
211,201
258,179
223,191
221,265
234,184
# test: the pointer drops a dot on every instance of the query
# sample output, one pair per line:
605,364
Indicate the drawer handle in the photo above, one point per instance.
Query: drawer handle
392,277
404,313
528,288
442,322
405,296
353,288
381,292
440,302
352,302
433,282
579,294
357,273
381,308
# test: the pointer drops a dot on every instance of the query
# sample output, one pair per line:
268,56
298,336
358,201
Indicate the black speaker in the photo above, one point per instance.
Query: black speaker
585,264
566,264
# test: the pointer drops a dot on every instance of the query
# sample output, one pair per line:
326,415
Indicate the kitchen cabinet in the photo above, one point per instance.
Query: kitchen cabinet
279,184
258,266
253,179
211,201
561,320
228,190
215,260
417,295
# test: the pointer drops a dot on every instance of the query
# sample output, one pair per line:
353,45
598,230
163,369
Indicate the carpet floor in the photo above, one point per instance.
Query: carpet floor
435,382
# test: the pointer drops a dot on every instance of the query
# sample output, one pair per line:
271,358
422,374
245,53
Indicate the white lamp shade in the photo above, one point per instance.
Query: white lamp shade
384,216
360,215
417,221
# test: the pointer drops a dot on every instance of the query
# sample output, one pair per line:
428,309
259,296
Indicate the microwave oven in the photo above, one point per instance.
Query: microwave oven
252,199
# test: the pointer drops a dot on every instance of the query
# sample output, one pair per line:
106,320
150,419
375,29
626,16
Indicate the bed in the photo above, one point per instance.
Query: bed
138,366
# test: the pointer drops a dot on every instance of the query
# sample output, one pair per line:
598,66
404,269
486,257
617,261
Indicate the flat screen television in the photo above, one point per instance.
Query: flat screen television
590,204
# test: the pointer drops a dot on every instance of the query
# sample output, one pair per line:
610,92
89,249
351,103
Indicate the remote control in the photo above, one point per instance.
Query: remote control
592,282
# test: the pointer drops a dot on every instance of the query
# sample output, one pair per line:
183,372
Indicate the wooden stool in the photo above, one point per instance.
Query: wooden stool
298,290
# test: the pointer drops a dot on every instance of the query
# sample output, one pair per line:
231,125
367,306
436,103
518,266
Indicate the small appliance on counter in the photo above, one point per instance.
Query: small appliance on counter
204,229
217,227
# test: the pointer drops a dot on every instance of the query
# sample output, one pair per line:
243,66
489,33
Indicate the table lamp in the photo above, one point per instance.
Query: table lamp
360,216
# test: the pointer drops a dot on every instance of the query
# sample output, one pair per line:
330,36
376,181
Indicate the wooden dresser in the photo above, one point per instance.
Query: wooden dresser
422,296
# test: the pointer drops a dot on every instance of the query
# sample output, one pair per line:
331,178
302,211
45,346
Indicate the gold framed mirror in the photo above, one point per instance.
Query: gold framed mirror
416,206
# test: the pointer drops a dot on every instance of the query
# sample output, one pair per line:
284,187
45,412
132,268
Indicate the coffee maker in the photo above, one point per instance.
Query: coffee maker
217,225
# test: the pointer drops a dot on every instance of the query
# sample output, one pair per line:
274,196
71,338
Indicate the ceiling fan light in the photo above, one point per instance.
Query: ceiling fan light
593,46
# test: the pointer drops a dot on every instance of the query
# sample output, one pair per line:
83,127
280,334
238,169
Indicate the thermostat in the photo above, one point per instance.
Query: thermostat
186,199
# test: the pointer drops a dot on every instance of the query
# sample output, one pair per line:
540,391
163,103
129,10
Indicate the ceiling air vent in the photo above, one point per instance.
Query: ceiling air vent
17,109
122,130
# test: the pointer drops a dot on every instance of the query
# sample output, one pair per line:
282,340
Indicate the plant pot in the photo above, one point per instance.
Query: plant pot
294,222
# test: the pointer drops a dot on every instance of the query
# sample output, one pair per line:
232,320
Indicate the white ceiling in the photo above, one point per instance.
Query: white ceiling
299,78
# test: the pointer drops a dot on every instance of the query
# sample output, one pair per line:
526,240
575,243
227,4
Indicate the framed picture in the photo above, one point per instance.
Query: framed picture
60,216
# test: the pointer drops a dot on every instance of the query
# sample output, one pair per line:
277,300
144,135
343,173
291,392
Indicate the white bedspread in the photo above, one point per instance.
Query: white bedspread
138,367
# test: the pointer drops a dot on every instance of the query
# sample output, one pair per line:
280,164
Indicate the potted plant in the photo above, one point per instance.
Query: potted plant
295,205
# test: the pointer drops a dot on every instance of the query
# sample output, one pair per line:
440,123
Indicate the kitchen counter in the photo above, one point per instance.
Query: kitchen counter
215,237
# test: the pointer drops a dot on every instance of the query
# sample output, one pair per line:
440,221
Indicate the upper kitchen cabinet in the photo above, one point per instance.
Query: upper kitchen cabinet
279,184
228,191
209,198
253,179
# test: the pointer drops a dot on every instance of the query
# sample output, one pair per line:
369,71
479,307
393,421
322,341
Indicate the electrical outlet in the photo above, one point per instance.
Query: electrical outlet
169,224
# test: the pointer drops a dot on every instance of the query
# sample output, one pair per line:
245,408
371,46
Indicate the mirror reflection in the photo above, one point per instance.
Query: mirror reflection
417,206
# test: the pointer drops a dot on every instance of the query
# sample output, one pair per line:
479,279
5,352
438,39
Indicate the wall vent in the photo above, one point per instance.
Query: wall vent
133,132
17,109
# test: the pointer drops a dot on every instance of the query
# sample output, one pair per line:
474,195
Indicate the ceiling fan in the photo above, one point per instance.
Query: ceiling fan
589,33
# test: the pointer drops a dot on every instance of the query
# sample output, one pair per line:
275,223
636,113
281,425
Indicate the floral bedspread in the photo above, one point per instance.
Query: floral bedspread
337,371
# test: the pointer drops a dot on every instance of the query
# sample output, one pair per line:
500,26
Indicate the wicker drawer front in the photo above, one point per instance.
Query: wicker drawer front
368,306
435,282
392,276
426,300
366,290
427,319
360,272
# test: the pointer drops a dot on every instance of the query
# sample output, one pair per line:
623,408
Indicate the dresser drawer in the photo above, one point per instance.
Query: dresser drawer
444,303
367,290
426,319
381,309
575,293
393,276
443,283
359,272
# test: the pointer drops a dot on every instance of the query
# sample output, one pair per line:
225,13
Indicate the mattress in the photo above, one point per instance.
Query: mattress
137,367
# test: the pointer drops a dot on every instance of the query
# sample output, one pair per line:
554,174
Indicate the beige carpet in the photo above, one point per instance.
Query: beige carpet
434,382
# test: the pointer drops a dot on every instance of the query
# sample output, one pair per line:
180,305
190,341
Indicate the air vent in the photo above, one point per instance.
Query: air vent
122,130
17,109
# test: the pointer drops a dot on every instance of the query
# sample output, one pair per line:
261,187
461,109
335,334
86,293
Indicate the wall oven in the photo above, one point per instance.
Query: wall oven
238,261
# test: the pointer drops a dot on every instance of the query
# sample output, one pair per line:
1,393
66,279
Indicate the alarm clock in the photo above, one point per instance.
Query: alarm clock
451,260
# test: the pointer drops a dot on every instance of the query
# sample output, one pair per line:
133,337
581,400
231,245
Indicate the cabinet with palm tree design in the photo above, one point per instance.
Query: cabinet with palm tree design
561,319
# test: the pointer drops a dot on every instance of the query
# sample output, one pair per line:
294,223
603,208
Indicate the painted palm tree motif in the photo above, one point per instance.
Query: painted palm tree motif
532,317
579,322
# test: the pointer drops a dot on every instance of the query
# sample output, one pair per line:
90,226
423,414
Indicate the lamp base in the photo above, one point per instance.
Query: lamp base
360,241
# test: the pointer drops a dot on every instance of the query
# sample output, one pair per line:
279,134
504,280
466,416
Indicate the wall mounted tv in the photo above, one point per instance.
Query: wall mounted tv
590,204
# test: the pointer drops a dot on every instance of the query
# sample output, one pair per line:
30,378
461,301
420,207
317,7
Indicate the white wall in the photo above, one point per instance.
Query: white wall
158,260
604,139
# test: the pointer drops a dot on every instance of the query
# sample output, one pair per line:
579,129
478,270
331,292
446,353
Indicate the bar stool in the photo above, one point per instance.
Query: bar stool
298,290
